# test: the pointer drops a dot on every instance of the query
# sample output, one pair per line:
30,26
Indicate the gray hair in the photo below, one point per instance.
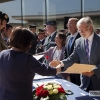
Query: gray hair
87,20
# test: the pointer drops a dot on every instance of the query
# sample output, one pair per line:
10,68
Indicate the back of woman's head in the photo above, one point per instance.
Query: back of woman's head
21,38
63,37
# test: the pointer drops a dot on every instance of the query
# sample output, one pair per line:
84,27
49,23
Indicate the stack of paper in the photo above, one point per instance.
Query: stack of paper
79,68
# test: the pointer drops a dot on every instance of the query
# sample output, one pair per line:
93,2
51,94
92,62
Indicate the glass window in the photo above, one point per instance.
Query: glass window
26,12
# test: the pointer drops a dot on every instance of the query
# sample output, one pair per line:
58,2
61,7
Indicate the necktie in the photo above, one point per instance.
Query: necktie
87,50
70,44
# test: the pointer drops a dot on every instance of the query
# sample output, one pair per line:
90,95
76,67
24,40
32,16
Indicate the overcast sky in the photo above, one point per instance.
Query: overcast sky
35,7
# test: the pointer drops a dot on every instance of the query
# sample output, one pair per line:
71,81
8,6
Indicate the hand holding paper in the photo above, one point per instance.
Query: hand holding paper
89,74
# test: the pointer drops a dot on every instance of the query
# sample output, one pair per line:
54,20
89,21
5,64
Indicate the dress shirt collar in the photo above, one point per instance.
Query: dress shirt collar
52,33
42,39
74,35
90,39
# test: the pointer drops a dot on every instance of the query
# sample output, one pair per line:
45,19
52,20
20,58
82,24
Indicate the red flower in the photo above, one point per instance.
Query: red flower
61,90
40,92
47,57
39,88
45,93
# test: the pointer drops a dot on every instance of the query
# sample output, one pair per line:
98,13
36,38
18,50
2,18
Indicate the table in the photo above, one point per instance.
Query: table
79,94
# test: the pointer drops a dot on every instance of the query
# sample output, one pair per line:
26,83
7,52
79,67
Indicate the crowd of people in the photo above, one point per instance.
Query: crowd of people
79,44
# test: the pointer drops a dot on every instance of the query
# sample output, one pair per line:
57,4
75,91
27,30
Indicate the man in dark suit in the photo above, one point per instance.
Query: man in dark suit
69,47
32,28
41,37
51,29
86,51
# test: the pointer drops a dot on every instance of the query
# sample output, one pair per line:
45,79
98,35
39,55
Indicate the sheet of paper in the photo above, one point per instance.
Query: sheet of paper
79,68
38,56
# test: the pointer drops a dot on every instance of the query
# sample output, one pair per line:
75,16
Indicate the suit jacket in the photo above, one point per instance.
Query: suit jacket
79,55
66,53
17,70
50,53
51,42
39,47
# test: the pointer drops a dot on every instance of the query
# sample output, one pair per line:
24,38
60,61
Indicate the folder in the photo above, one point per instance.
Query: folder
79,68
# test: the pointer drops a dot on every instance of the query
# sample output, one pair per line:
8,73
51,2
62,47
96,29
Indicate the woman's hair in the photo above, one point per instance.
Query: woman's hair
63,37
21,38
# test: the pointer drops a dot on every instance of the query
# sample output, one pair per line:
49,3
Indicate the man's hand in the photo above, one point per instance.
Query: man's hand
54,63
89,74
57,65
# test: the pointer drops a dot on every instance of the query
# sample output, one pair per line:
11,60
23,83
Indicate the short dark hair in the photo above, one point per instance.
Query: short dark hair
63,37
21,38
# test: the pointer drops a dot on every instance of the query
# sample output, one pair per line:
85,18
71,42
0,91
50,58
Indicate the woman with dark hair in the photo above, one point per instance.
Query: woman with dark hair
57,52
17,67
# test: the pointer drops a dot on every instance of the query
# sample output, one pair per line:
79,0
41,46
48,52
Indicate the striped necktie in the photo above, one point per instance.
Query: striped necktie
87,50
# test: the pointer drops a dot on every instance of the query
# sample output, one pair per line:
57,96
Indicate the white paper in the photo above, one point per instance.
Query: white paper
38,56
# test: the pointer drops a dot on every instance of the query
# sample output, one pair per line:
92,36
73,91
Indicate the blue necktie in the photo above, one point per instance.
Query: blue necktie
87,50
70,44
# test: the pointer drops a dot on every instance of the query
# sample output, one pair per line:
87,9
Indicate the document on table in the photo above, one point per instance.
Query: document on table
38,56
79,68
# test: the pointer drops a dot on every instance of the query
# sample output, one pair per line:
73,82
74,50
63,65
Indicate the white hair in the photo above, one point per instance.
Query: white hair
86,20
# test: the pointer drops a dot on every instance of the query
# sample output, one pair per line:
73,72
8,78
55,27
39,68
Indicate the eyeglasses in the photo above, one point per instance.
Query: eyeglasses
83,29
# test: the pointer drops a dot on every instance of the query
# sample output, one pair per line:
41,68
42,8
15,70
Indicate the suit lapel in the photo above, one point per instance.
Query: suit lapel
72,47
68,44
53,37
43,41
83,49
94,46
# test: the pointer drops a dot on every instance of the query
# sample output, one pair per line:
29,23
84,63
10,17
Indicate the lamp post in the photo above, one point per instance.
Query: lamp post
45,11
21,13
82,13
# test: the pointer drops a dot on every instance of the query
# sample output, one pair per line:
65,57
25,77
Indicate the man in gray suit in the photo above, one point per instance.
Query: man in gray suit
86,54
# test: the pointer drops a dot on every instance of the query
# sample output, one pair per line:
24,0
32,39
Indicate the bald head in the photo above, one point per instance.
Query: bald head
72,25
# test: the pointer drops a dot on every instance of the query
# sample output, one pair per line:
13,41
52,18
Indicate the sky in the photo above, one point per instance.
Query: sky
36,7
